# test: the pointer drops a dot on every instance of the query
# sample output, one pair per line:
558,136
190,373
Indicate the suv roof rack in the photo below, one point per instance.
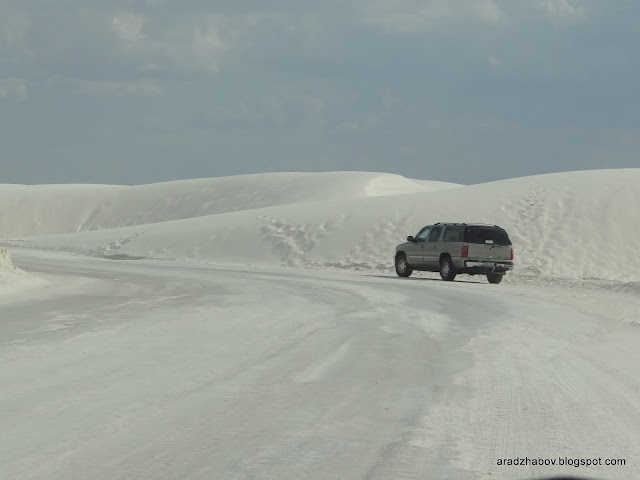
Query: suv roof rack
468,224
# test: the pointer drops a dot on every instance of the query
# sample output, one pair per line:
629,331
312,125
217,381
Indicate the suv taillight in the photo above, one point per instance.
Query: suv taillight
465,251
512,254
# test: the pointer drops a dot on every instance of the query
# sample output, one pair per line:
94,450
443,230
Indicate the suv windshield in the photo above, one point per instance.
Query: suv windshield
496,236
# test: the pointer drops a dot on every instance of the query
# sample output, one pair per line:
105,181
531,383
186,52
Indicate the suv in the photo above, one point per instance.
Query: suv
453,248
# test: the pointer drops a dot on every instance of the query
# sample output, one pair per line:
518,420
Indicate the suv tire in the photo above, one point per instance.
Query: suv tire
402,267
494,277
447,269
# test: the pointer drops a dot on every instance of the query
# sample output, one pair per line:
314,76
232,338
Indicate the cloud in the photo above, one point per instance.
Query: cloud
569,10
207,47
183,45
414,16
128,26
327,81
13,88
15,26
488,11
114,48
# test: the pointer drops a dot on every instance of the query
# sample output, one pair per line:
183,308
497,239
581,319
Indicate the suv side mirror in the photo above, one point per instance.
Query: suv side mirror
410,238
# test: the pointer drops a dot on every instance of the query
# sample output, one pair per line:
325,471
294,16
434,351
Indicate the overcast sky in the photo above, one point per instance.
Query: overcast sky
139,91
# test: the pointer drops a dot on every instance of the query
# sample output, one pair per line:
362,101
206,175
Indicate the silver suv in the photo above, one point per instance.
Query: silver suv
453,248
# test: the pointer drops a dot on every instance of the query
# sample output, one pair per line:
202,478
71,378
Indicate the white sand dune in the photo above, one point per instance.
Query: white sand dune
12,279
574,225
51,209
6,265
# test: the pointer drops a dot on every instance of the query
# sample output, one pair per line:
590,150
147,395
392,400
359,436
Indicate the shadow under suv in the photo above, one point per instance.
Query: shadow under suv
453,248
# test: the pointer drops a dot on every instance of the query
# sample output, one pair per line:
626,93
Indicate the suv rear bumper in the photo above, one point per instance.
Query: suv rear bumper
487,267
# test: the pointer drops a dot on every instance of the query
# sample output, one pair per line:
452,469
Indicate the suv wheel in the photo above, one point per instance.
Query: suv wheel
402,267
447,270
494,277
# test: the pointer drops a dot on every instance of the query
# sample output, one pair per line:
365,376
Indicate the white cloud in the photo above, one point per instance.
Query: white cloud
207,47
407,15
411,16
14,29
128,26
495,61
114,48
13,88
570,10
487,11
184,44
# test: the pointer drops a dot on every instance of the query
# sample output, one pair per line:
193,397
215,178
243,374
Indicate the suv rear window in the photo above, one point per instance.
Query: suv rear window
453,234
480,234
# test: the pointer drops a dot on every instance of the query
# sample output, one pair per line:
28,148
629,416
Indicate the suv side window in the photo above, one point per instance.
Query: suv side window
453,234
435,234
423,234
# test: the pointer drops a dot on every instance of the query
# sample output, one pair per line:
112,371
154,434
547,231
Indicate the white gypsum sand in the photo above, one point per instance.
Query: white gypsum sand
575,225
262,333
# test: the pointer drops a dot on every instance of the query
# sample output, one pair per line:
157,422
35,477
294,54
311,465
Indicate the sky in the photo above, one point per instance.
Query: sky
466,91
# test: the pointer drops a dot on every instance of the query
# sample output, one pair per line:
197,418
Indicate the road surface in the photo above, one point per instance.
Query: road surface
162,370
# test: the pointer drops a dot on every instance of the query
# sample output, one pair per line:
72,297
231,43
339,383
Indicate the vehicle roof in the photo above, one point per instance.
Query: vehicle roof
468,224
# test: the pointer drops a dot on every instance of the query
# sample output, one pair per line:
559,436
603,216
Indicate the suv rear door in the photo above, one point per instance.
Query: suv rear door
452,241
432,248
488,243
